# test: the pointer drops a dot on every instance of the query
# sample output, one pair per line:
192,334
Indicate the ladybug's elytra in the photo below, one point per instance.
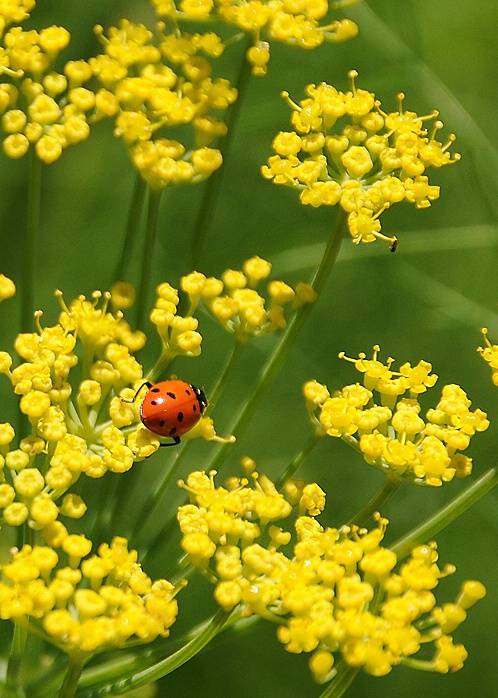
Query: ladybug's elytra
171,408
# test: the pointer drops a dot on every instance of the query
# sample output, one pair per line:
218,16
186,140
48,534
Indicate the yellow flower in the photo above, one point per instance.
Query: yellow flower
242,310
324,591
374,160
125,604
382,419
300,24
153,82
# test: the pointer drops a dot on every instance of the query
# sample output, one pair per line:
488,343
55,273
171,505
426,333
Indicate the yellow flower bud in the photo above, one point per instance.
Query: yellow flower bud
29,482
17,459
43,510
7,290
15,514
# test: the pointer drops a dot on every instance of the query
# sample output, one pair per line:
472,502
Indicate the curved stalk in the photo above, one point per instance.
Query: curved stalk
345,676
296,463
70,684
233,360
132,228
17,647
212,187
158,669
379,499
31,243
447,514
148,253
287,339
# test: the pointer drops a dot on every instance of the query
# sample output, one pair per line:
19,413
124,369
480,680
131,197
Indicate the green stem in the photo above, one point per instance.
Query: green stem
70,684
212,187
233,360
447,514
345,676
148,254
31,247
379,499
287,339
296,463
132,227
15,659
158,669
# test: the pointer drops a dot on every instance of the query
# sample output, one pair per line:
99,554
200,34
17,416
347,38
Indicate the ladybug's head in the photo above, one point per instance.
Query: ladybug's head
201,397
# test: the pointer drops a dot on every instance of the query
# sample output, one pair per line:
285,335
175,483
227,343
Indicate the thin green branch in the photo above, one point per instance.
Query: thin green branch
157,669
147,256
70,684
17,648
132,228
380,498
212,186
287,339
31,243
299,459
343,679
447,514
232,362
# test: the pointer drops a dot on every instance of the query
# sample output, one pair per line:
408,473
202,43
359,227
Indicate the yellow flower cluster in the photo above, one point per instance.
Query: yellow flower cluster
490,354
39,106
345,150
337,593
154,84
93,425
84,604
300,23
74,428
236,303
389,431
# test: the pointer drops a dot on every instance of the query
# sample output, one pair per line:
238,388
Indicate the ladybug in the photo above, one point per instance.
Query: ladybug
171,408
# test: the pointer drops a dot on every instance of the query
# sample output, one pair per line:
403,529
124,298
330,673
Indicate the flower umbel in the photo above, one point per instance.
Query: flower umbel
241,309
303,24
381,418
346,150
40,107
152,84
85,604
337,593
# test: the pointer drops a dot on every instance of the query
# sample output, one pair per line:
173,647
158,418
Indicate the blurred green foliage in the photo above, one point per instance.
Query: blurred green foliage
427,301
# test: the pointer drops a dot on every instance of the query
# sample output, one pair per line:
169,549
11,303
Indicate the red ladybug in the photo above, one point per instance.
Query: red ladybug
171,408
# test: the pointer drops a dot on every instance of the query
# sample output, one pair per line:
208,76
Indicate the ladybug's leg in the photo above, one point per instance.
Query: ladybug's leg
176,441
146,383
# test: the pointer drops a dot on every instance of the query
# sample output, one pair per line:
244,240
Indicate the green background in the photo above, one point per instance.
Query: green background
427,301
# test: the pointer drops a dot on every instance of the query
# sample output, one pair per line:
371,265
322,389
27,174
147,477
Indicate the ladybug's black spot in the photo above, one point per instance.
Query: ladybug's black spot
172,431
153,402
187,391
162,423
171,395
155,390
180,416
194,408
